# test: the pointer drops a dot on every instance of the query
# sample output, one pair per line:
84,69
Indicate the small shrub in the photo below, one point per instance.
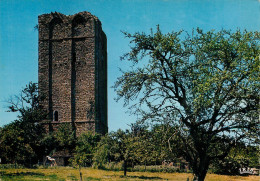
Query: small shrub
155,168
9,166
115,166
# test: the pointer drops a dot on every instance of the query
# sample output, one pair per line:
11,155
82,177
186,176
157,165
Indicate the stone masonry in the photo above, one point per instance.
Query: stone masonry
73,71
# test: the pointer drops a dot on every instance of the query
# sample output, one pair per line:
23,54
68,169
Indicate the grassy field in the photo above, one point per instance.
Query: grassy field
67,174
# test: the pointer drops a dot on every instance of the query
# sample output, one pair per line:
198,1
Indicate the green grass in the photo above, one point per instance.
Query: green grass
27,176
89,174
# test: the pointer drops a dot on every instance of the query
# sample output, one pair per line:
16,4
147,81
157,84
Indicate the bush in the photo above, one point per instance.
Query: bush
10,166
157,168
114,166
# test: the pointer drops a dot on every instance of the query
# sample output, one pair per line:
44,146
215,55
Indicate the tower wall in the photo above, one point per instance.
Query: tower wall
73,71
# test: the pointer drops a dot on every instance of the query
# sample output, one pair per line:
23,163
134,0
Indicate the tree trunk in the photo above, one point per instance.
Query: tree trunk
80,174
200,177
125,167
201,171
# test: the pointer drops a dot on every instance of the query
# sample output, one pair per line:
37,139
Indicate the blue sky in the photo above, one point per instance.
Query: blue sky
19,40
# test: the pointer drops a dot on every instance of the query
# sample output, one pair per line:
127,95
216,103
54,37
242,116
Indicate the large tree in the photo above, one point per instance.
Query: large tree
20,141
26,104
204,83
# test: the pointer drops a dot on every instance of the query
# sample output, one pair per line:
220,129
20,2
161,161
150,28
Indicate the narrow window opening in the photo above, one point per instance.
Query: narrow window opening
55,116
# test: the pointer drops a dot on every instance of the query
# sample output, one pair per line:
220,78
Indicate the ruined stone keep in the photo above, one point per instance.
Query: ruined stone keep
73,71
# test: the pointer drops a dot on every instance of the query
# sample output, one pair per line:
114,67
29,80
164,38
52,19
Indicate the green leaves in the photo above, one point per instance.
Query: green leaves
85,149
27,104
20,141
65,136
197,72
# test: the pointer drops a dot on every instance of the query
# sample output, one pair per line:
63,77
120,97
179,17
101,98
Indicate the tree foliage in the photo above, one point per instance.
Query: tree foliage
20,141
140,145
206,83
103,154
85,148
15,147
27,104
115,147
65,137
240,156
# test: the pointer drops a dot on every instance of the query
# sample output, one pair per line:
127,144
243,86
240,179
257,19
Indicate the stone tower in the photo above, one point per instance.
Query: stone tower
73,71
